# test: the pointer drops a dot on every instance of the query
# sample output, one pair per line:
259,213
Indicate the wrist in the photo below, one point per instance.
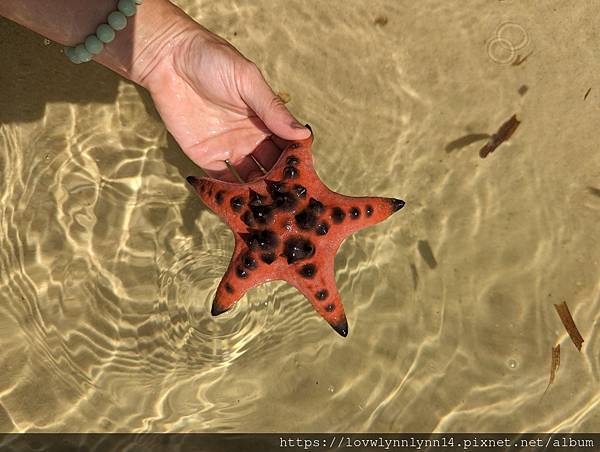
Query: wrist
147,41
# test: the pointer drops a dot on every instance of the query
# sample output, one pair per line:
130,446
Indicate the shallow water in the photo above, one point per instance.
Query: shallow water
108,262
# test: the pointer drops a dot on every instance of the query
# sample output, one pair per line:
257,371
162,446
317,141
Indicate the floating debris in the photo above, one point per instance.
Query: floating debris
504,133
520,60
594,191
381,21
587,94
567,320
523,89
426,253
285,97
554,365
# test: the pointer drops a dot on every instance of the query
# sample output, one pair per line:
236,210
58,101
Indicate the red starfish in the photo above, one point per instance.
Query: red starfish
288,225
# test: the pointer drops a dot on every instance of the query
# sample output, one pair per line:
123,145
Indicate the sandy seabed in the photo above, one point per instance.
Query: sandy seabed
108,262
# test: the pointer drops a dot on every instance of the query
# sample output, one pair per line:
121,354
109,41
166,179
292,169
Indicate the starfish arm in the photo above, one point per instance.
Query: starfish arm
313,275
254,261
321,291
229,292
215,193
238,279
352,214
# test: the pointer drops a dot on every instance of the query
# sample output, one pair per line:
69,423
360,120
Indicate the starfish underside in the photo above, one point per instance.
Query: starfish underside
288,226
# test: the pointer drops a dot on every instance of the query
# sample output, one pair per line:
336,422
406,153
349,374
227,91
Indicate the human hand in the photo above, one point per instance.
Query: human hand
218,106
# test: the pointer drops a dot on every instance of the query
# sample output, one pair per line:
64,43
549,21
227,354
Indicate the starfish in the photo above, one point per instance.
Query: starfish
288,226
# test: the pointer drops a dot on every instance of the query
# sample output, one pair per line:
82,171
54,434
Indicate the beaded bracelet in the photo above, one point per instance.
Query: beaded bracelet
105,33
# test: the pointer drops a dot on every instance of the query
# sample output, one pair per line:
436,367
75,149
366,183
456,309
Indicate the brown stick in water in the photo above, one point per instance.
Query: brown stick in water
587,94
567,321
504,133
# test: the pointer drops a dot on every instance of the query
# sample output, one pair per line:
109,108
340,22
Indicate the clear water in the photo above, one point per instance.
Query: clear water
108,262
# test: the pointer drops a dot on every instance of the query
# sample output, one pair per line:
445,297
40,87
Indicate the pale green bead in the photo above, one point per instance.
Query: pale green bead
82,53
71,55
127,7
93,44
117,20
105,33
139,2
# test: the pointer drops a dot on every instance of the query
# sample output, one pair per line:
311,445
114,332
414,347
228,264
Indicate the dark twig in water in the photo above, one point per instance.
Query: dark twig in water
586,94
519,61
426,253
461,142
504,133
567,321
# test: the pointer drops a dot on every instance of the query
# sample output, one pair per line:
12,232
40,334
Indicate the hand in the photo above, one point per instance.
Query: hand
218,106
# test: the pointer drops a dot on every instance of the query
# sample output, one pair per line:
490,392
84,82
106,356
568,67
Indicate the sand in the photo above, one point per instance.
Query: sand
108,262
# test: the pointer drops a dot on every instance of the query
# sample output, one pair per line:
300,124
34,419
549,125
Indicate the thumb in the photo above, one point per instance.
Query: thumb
269,107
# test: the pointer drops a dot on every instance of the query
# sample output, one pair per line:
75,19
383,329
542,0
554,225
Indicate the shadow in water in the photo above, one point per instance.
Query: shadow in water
462,142
594,191
40,73
426,253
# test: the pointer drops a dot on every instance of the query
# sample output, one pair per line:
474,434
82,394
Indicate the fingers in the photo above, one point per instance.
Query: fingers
280,143
268,107
223,174
245,168
266,154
